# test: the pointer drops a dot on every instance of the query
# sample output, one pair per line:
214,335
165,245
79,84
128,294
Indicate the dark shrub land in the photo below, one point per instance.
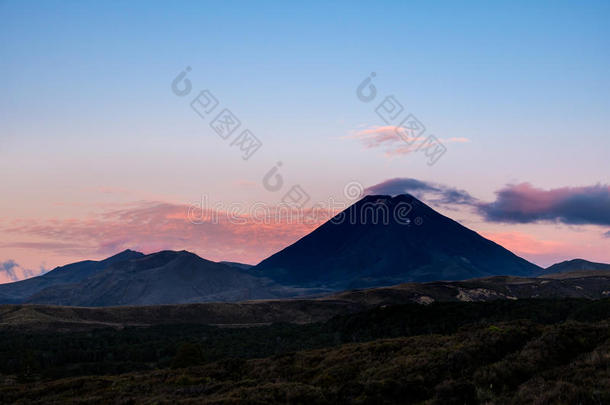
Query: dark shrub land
502,352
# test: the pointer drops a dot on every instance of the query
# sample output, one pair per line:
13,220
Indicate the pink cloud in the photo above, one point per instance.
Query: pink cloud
521,243
456,139
378,136
394,140
524,203
247,236
545,251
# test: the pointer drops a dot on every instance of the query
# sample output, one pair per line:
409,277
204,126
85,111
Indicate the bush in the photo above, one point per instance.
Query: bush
188,354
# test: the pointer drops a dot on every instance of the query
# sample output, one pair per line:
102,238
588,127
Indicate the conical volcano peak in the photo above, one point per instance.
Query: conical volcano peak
392,199
383,240
396,197
386,209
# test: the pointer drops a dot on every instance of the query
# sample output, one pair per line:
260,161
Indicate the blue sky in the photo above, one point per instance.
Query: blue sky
85,99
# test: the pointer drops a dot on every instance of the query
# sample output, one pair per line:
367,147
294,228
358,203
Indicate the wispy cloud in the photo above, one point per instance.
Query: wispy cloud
540,250
524,244
55,246
11,271
394,140
8,269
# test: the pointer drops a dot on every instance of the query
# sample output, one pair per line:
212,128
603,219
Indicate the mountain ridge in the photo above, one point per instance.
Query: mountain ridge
165,277
70,273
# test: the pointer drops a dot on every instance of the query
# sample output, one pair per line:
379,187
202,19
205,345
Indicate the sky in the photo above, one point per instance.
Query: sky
102,149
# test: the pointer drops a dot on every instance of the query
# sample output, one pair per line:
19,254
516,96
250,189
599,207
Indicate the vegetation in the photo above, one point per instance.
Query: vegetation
526,351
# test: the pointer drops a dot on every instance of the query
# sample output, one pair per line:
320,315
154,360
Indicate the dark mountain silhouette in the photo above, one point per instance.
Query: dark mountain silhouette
383,240
72,273
378,241
165,277
569,266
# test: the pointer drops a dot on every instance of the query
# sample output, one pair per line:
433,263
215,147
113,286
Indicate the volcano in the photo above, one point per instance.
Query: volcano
384,240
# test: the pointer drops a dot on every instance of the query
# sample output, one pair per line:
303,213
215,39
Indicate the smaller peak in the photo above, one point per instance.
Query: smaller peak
577,265
572,261
126,252
174,253
186,253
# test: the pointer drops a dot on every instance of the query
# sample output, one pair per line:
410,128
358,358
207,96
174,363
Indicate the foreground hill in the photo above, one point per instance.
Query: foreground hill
570,285
383,240
257,312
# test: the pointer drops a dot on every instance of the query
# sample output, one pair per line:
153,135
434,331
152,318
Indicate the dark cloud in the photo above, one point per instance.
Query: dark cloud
431,192
523,203
607,234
